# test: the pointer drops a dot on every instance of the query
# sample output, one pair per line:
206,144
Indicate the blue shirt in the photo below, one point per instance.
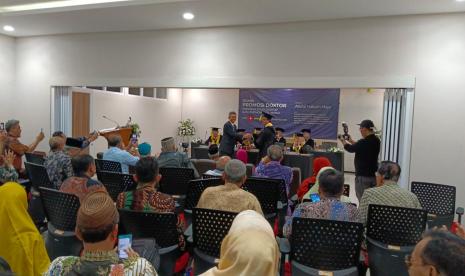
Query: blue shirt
276,171
121,156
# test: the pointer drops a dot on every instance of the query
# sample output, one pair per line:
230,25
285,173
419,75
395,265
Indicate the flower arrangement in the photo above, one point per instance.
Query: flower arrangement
135,129
186,128
335,149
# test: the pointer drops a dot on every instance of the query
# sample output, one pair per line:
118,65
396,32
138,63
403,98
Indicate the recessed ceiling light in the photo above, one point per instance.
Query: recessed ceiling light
188,16
460,0
8,28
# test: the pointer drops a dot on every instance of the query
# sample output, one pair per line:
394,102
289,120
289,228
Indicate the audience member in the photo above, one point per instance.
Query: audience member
213,152
170,157
82,183
57,162
230,197
242,155
97,227
330,206
270,166
387,191
117,153
220,164
22,245
249,248
438,253
307,183
14,133
86,140
145,149
146,197
7,171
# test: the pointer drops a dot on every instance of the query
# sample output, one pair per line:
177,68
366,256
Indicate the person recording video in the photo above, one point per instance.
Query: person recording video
366,156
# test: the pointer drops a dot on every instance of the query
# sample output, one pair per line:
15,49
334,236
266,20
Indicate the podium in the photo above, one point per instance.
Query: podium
124,132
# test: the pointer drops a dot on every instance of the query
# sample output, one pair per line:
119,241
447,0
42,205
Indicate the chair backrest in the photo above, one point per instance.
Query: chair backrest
60,208
208,176
326,244
249,169
38,175
268,192
175,181
296,179
196,188
209,227
203,165
34,158
395,225
108,166
161,226
116,183
346,191
437,199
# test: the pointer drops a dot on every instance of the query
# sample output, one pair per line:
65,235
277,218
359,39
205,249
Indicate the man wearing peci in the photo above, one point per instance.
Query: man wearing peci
230,136
266,136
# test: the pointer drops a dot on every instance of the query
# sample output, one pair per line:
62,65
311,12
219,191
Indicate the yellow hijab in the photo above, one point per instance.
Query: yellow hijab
249,248
21,244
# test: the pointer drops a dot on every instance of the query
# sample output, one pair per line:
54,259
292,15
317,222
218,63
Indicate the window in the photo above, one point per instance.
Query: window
114,89
149,92
134,91
162,93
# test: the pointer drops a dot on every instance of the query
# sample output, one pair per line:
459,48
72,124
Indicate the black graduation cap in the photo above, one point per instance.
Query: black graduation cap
240,130
306,130
257,128
215,128
74,143
299,134
266,115
280,129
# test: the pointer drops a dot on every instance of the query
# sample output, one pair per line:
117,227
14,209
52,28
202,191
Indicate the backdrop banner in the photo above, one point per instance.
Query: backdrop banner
292,109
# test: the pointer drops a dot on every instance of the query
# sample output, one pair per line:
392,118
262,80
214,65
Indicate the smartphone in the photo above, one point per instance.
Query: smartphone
134,139
124,243
314,197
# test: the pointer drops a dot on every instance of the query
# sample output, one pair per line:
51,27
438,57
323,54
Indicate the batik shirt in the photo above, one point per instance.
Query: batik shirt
8,174
327,208
58,165
103,263
275,170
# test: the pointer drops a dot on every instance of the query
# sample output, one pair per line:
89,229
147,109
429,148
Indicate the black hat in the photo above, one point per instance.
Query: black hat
367,124
240,130
215,128
266,115
299,134
257,128
280,129
74,143
213,149
306,130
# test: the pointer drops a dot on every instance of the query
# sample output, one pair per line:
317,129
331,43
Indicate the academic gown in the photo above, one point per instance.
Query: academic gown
264,140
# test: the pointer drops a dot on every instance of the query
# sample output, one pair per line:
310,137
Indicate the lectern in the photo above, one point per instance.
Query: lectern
124,132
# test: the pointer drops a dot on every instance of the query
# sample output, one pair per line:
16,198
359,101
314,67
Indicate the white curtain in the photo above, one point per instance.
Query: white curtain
62,109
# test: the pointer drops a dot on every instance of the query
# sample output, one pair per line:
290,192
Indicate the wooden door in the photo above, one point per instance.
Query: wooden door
81,114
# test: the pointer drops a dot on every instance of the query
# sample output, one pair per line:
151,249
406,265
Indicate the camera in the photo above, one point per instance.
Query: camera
346,135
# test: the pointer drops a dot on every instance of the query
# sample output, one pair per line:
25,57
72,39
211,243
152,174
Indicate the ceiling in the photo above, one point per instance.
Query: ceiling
167,14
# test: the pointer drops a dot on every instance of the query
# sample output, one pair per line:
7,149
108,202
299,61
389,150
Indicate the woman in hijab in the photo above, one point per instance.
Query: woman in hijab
249,248
318,164
241,154
21,244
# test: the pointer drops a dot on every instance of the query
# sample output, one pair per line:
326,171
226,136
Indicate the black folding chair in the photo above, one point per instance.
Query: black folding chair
209,227
438,200
175,182
38,176
61,212
116,183
203,165
318,246
108,166
195,190
392,233
346,190
162,227
208,176
34,158
268,192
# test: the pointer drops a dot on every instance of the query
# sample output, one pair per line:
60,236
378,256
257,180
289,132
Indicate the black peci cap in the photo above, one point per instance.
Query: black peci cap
215,128
74,143
266,115
306,130
257,128
280,129
367,124
240,130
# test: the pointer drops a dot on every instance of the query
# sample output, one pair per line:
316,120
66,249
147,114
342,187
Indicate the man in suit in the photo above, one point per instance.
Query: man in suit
266,136
230,136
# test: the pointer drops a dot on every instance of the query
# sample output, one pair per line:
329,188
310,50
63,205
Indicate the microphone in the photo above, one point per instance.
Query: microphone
111,120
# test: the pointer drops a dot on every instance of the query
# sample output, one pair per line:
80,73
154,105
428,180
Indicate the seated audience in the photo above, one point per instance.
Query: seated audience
117,153
230,197
242,155
307,183
7,170
330,206
249,248
57,162
82,183
220,164
270,166
146,197
21,244
387,192
97,227
438,253
145,149
170,157
13,129
213,152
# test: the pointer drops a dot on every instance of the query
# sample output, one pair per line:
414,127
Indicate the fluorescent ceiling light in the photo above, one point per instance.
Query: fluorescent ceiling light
188,16
8,28
55,4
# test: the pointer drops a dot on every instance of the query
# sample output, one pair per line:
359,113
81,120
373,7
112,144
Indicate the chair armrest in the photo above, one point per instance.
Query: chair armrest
284,245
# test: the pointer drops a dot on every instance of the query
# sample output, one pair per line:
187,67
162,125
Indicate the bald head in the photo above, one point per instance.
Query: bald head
221,163
56,143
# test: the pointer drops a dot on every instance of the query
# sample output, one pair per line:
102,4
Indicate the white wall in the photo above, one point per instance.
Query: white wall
7,76
429,48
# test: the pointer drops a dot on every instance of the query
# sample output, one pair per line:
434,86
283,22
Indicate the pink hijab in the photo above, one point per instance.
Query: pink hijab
242,155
